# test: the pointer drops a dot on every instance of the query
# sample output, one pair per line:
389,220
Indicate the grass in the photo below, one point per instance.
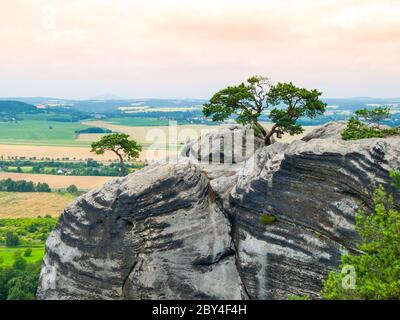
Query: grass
7,254
139,122
39,132
23,169
57,182
32,204
31,232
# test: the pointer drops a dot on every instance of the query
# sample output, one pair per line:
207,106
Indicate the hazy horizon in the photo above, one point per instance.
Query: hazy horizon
180,49
176,98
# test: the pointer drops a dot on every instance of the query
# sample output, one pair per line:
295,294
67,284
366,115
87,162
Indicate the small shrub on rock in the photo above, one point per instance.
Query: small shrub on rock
357,129
267,219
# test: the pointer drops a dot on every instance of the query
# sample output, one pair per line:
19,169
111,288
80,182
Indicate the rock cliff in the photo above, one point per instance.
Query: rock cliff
191,230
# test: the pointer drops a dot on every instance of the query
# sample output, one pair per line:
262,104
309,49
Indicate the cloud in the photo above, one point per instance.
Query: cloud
180,47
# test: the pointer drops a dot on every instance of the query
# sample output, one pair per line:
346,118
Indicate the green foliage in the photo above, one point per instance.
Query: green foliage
42,187
9,185
17,253
11,107
374,116
73,189
19,266
267,219
93,130
356,129
119,144
395,175
377,268
81,168
249,100
12,240
298,297
28,252
298,102
29,231
19,281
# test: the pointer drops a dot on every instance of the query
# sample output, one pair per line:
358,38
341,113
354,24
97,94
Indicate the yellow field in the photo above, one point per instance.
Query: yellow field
58,182
31,205
73,153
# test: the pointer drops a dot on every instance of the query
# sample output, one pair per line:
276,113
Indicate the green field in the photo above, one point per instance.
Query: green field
31,232
138,122
8,254
40,132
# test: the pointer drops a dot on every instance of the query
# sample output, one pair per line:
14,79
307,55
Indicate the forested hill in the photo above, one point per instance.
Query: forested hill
13,107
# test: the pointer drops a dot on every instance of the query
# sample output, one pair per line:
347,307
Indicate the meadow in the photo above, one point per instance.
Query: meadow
30,235
33,204
40,132
8,254
59,182
139,122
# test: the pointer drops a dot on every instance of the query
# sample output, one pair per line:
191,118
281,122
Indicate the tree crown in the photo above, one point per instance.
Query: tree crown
249,100
292,103
375,115
118,143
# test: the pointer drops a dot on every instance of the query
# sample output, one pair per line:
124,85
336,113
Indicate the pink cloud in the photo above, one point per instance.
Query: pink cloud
180,48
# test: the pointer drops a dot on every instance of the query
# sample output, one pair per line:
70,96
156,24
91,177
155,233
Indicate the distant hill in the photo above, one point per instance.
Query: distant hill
13,107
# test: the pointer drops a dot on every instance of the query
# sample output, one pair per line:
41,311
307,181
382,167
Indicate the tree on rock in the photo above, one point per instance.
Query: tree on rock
292,103
248,101
375,116
119,144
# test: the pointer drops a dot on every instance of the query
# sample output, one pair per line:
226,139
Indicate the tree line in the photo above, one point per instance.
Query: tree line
9,185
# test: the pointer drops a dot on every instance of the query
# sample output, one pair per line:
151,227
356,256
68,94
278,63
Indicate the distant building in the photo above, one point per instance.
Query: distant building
65,172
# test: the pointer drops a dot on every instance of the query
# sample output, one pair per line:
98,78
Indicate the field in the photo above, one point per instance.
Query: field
32,204
8,254
52,152
31,234
40,132
58,182
139,122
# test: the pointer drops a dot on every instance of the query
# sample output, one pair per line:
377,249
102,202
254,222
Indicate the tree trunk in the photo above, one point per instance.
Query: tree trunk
263,131
268,136
121,166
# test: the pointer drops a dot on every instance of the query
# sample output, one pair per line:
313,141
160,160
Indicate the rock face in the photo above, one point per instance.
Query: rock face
192,231
155,234
233,144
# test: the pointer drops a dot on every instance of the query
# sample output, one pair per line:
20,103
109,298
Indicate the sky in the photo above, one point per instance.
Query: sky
192,48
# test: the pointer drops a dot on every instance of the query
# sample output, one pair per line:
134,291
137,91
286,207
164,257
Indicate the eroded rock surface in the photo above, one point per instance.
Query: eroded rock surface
192,231
156,234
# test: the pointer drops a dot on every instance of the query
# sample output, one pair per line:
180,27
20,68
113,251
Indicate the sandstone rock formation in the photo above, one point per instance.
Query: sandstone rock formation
191,230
